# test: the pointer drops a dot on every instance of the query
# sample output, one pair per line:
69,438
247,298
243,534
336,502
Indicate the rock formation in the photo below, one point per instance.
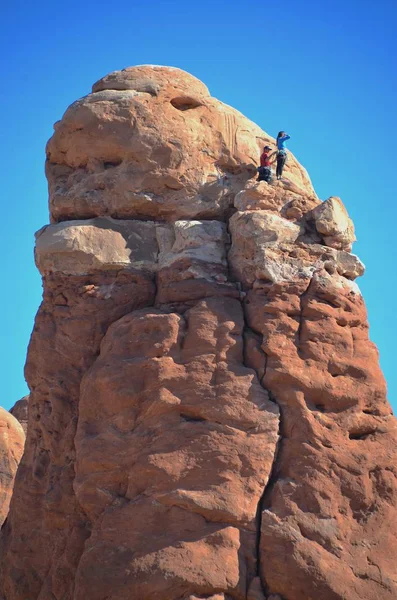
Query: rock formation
12,439
20,412
207,414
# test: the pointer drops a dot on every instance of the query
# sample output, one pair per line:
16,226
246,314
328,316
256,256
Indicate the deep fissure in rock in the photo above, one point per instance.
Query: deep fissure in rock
302,299
274,470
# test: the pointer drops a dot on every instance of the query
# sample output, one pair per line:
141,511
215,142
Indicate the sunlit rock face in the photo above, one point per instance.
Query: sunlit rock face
207,416
151,142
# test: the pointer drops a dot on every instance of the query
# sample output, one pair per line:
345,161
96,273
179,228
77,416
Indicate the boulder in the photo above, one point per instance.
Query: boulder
104,244
79,247
278,196
334,224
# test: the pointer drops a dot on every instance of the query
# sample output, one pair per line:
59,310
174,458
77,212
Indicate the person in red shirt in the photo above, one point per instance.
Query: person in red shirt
265,171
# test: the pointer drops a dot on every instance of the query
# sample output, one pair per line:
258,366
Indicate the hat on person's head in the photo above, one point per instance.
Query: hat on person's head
267,148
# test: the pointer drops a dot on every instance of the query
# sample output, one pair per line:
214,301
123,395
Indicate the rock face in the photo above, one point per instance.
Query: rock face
151,142
207,414
12,439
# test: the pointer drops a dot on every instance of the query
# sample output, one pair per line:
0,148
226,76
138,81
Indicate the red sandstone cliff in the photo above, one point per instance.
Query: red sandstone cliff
207,415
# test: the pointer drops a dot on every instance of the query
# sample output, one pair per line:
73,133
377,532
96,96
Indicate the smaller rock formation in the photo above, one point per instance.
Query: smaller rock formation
20,412
12,440
334,224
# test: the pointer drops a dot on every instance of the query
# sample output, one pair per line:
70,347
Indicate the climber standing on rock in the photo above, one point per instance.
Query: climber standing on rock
281,153
265,171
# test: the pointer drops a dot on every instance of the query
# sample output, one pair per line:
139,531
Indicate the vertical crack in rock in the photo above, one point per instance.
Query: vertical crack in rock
260,375
264,501
265,496
302,298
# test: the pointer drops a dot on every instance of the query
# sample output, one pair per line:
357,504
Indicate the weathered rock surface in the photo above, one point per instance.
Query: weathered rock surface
330,508
20,412
189,449
104,244
150,142
334,224
12,439
207,415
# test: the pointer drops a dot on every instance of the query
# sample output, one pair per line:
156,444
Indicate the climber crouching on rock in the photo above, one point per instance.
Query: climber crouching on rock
265,171
281,153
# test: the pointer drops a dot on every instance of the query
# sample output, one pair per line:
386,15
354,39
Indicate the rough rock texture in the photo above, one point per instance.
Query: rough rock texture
207,416
334,224
12,439
20,412
189,451
151,142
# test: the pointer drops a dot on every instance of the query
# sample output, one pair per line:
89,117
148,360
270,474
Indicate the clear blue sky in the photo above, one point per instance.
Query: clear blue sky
323,71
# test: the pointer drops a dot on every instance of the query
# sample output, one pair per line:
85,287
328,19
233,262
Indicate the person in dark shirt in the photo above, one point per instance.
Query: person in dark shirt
281,153
265,171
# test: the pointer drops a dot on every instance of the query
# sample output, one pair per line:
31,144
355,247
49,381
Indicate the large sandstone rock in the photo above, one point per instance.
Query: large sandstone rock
152,142
79,247
207,417
12,439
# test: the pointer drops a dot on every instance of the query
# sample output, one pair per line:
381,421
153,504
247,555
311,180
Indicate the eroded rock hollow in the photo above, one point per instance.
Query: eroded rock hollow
207,417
